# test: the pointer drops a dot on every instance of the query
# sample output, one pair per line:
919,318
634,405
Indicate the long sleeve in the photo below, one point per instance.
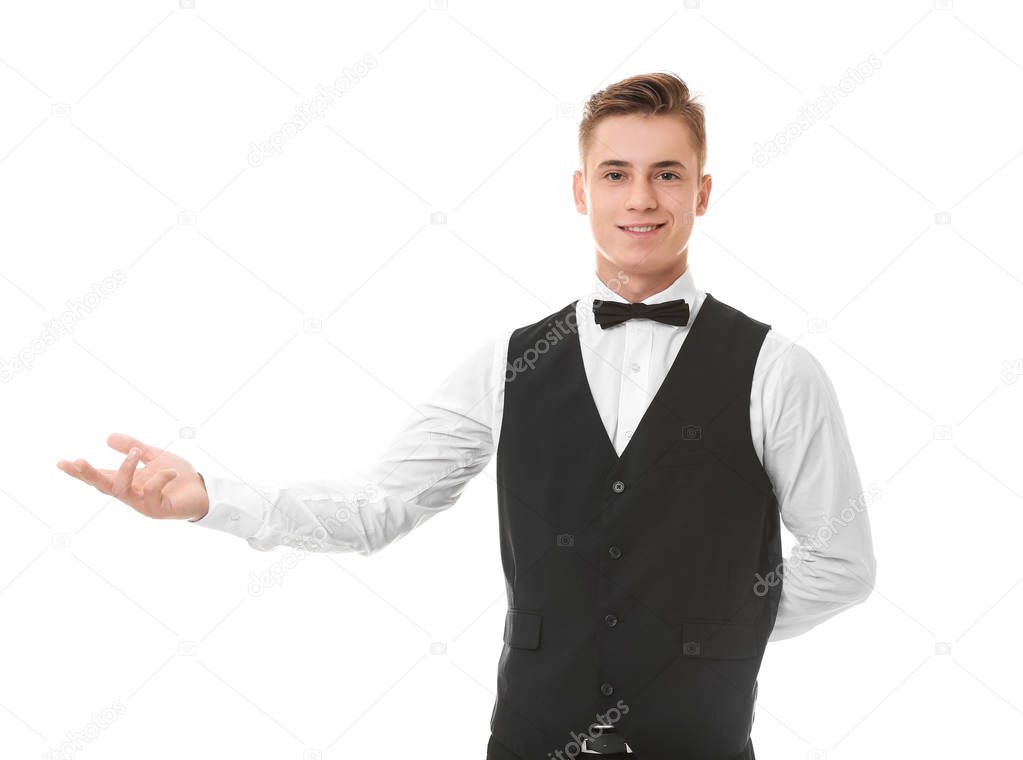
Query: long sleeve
811,465
443,443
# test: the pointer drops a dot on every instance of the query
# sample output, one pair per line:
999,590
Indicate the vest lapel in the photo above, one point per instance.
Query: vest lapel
645,440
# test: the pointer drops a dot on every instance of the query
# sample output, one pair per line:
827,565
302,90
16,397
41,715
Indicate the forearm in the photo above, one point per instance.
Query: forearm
321,515
446,441
819,584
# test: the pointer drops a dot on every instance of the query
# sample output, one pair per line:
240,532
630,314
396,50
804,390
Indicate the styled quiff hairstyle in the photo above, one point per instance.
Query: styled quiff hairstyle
648,94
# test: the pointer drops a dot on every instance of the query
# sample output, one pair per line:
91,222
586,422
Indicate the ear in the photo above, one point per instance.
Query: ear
579,191
704,195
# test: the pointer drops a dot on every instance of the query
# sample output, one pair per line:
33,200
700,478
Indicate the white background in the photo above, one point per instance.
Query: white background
120,120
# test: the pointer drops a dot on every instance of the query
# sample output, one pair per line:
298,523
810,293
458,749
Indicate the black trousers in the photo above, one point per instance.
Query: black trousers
497,751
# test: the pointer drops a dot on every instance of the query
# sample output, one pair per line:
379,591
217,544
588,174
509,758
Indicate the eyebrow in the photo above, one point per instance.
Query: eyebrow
658,165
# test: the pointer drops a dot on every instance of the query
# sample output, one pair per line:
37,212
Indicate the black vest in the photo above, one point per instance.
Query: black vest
641,589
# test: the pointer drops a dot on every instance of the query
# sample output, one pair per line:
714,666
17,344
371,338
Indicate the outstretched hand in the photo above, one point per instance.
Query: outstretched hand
166,488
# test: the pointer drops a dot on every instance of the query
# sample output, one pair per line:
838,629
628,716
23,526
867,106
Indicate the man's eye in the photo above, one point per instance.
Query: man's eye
671,174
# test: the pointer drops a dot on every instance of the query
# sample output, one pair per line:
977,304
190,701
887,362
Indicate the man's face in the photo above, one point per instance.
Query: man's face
641,170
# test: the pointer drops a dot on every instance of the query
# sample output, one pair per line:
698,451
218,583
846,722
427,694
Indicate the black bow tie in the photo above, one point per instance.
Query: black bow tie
611,313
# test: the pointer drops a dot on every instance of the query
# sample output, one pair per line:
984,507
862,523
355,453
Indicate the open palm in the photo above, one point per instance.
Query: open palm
166,487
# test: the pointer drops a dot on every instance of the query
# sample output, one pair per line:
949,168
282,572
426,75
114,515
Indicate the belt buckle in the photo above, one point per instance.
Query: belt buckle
586,750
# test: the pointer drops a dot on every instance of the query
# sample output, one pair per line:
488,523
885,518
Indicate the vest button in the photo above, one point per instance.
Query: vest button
691,647
618,486
607,689
614,552
611,620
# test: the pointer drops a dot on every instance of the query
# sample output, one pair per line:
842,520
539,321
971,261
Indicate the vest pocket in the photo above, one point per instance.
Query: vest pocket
719,639
522,629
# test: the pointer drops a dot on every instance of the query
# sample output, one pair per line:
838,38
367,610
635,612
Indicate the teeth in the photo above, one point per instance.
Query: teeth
642,229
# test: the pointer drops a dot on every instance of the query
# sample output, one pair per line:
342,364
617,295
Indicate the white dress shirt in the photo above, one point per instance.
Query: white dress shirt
795,423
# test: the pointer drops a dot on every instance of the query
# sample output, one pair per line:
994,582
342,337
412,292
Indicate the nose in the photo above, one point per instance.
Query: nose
641,195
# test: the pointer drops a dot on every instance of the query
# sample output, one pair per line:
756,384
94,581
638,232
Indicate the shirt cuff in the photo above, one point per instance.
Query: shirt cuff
235,507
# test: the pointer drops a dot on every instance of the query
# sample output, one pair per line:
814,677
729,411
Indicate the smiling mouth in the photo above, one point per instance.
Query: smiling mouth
641,227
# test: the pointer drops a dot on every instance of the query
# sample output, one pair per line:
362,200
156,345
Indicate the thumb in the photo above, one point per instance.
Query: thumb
155,502
124,443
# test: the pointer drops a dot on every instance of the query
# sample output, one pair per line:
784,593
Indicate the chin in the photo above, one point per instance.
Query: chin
636,258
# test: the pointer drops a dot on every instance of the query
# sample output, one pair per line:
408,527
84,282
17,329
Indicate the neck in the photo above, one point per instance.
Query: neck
635,286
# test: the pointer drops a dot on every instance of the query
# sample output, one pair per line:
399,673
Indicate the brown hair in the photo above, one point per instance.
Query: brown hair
648,94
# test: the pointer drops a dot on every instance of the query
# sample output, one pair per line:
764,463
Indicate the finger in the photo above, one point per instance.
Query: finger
91,475
153,498
122,485
70,469
124,444
106,475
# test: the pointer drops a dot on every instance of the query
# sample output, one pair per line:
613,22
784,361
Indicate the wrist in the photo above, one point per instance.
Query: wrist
206,499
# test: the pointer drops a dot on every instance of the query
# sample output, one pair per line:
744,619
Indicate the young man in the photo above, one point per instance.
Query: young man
650,440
